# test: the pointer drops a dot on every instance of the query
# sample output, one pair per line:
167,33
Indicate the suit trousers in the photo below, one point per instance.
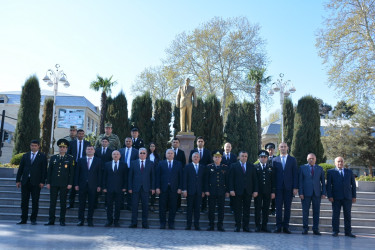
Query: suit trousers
284,198
242,209
117,198
142,195
54,192
84,194
336,208
214,200
27,190
72,196
306,203
168,199
185,114
262,204
193,203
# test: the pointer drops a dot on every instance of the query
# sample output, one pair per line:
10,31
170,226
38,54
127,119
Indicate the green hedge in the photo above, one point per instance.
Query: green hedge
16,159
365,178
326,167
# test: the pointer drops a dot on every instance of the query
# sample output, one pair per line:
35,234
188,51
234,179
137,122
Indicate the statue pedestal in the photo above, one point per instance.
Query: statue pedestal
186,142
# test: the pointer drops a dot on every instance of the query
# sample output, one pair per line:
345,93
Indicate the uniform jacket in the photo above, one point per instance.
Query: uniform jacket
217,179
311,185
37,170
138,143
266,178
60,170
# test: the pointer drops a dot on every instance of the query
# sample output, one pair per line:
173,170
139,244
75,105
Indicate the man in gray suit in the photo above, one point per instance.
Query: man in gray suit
311,189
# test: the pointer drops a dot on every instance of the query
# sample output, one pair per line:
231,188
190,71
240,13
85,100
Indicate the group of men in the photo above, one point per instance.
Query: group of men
205,179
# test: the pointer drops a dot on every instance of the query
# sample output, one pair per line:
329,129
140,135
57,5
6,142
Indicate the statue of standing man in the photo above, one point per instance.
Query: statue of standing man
184,98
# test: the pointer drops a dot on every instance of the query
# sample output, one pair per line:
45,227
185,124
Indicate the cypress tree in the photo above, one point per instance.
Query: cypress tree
176,120
46,126
231,127
247,130
161,128
28,123
141,116
213,130
306,137
117,114
288,119
198,118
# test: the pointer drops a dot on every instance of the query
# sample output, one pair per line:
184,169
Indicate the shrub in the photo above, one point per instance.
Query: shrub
365,178
16,159
326,167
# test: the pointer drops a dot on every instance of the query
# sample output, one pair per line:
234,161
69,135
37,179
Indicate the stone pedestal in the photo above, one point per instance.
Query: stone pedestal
186,142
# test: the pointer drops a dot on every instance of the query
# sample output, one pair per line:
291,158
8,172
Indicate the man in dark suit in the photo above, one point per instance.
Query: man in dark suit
141,181
341,191
168,187
270,147
60,177
128,154
87,179
77,149
227,159
266,181
312,188
31,177
115,180
205,159
286,186
216,189
243,185
193,189
137,142
178,156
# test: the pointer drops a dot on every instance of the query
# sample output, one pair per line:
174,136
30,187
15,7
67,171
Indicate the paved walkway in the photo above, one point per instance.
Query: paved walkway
72,237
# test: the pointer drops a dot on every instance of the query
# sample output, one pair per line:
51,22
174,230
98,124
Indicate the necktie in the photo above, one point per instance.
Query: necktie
102,151
200,153
169,165
126,155
312,170
79,150
196,169
283,161
115,167
88,163
142,167
341,173
243,168
227,156
32,158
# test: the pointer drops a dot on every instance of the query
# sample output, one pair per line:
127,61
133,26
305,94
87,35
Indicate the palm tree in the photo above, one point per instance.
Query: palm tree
256,77
104,84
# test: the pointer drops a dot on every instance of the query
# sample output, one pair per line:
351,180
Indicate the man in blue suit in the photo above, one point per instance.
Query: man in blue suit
141,182
168,187
341,191
286,186
87,179
312,189
227,159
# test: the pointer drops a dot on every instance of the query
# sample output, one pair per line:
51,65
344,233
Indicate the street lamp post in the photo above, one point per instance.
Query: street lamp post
52,78
282,86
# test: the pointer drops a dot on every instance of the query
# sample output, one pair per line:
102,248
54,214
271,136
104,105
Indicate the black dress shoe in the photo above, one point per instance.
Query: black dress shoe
80,224
277,230
187,228
210,229
246,229
133,226
257,229
117,224
70,206
145,227
266,230
334,234
316,232
197,228
304,231
50,223
287,231
62,223
171,227
350,235
108,224
221,229
237,229
162,227
90,224
21,222
33,223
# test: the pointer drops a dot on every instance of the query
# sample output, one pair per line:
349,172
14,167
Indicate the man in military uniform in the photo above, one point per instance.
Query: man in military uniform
270,147
216,190
59,179
137,142
72,135
266,181
114,141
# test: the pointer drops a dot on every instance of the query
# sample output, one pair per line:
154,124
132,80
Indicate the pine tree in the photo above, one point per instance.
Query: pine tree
306,137
141,116
46,126
213,127
231,126
247,131
161,128
176,120
288,119
28,123
117,114
198,118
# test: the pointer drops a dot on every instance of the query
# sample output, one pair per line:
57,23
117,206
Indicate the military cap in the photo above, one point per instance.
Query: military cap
263,153
63,143
108,125
73,127
270,145
134,130
217,154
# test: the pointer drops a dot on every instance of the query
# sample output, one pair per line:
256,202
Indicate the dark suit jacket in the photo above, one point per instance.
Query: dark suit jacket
287,178
163,176
37,170
115,181
339,188
194,183
311,185
133,156
137,179
106,157
156,160
240,181
205,160
85,176
232,159
73,148
180,157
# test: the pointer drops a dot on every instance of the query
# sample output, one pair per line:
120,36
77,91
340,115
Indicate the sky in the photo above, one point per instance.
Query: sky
122,38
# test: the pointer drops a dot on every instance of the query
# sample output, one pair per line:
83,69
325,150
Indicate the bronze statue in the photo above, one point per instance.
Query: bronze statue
184,98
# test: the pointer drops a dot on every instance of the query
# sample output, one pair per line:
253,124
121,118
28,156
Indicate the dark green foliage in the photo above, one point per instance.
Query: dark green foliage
141,116
46,126
306,138
344,110
28,123
176,121
324,108
247,131
231,126
16,159
161,127
288,119
198,118
326,167
117,114
213,126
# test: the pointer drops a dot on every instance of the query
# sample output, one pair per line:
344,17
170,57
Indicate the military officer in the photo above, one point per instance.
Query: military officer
137,142
72,135
114,141
266,181
270,147
59,179
216,190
